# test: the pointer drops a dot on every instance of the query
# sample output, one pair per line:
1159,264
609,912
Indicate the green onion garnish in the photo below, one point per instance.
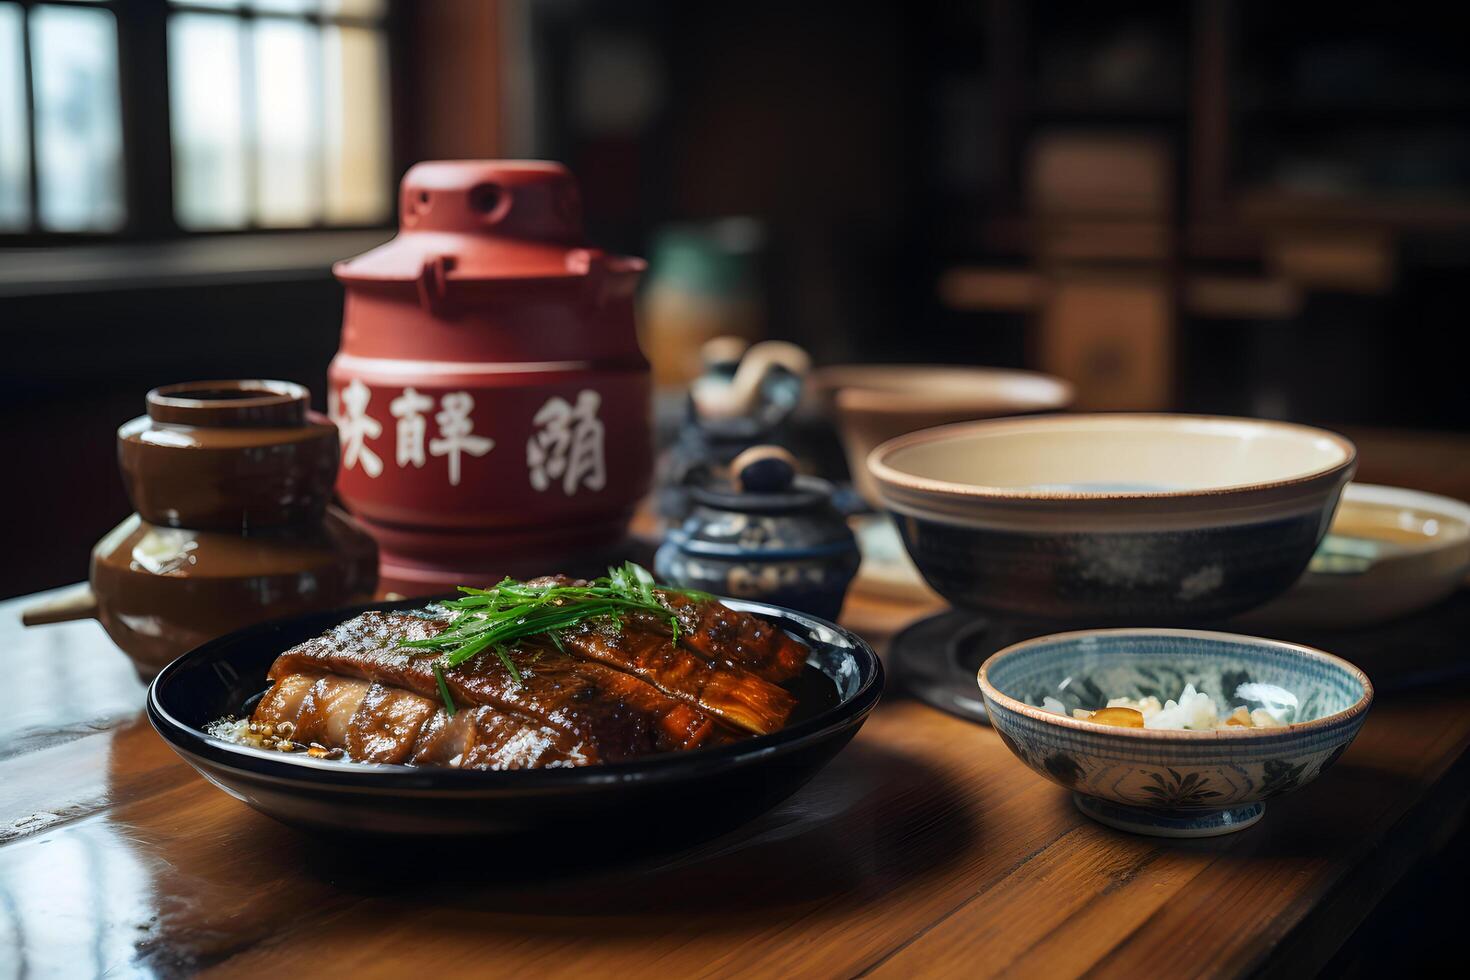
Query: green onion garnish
492,619
444,691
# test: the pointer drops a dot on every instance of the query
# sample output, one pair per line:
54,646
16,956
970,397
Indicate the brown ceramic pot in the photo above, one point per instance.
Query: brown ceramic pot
231,480
229,455
873,403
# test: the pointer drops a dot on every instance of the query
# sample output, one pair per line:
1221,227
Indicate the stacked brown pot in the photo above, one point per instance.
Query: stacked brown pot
232,482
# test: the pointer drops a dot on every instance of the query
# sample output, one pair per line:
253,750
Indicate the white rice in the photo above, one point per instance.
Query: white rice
1196,711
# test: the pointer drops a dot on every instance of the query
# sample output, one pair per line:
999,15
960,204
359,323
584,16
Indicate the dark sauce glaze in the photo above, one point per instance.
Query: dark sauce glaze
815,693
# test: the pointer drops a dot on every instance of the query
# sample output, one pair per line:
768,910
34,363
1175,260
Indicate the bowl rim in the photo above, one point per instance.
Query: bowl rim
875,402
881,471
1357,708
197,746
1438,506
859,387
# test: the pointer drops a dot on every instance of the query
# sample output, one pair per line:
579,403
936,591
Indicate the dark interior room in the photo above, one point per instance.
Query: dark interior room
1205,254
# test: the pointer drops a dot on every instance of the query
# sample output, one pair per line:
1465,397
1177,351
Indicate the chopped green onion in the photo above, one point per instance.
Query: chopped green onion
505,659
492,619
444,691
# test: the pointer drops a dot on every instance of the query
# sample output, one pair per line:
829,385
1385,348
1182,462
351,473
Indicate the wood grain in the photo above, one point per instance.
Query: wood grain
925,848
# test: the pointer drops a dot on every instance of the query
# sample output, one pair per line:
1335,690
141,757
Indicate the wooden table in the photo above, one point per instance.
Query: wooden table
924,848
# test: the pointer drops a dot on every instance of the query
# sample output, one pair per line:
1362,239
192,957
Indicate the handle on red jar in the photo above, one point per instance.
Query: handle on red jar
608,277
433,283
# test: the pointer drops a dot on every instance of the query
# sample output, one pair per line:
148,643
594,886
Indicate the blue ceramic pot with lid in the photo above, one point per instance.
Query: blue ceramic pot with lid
768,534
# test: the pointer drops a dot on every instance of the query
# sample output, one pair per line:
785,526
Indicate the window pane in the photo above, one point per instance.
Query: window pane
357,125
15,162
208,128
78,125
355,8
345,8
287,6
286,96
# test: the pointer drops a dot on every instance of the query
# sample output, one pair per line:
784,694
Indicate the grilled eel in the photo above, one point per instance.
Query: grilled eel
607,693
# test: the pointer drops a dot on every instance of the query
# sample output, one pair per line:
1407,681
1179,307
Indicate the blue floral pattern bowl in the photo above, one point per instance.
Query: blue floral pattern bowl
1165,782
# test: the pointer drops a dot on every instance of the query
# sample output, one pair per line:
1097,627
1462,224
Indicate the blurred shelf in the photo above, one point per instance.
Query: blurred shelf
1238,298
1343,260
1103,115
991,289
1279,122
1416,212
201,261
1365,113
977,289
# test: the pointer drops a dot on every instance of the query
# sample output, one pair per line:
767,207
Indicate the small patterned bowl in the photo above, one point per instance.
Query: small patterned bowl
1171,783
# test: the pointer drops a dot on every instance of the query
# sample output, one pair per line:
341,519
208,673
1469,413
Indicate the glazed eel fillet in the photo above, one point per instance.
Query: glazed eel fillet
606,693
375,722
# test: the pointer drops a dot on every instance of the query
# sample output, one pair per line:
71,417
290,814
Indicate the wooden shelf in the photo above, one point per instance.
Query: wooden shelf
1356,117
980,289
1419,212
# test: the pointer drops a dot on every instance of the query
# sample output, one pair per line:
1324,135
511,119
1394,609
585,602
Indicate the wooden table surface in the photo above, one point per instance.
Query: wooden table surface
924,848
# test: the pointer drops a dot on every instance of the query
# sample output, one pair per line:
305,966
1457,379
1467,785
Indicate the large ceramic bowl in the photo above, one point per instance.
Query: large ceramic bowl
1097,519
672,797
875,402
1171,783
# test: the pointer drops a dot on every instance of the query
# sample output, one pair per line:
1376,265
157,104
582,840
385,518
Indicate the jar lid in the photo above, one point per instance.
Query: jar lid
230,404
479,220
763,480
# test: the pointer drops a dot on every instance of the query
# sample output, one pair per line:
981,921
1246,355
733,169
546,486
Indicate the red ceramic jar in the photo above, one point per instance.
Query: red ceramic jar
491,398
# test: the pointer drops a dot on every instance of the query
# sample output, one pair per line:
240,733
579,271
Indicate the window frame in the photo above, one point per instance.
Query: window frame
147,133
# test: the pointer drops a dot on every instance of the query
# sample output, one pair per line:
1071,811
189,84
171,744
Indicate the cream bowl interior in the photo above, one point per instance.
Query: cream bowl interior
1109,455
895,388
1085,669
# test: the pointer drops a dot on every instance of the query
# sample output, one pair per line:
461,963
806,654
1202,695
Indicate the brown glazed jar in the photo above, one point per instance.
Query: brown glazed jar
232,482
252,457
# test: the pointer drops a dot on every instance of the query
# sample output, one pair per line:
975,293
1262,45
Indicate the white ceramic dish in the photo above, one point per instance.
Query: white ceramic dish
1390,552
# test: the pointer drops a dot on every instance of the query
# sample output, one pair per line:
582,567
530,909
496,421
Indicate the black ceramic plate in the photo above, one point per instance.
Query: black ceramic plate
682,795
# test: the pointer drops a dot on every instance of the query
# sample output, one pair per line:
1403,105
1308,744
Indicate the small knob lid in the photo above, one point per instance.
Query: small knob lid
764,469
515,200
230,404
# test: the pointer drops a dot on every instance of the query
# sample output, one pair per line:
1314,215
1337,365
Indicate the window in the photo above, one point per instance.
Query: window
277,115
289,95
61,162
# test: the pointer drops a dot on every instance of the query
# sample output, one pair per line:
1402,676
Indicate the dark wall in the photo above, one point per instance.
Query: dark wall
881,145
885,144
77,365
